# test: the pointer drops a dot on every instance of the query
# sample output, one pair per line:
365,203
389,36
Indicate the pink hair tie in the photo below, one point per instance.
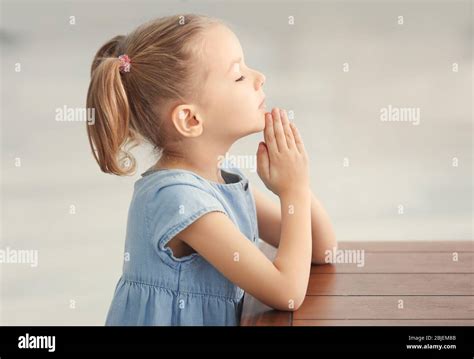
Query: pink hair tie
124,63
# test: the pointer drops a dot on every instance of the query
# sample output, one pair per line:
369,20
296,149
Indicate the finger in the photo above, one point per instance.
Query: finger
263,161
278,130
297,137
269,134
290,141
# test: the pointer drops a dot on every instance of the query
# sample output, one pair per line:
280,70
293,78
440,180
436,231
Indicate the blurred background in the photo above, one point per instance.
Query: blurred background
336,66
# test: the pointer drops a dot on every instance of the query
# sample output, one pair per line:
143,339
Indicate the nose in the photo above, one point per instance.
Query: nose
260,79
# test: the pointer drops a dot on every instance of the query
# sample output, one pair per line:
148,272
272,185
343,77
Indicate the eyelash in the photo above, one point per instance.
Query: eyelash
240,78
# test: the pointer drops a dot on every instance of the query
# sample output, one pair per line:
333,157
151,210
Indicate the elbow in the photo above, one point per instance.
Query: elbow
332,245
293,304
290,299
298,302
323,256
289,291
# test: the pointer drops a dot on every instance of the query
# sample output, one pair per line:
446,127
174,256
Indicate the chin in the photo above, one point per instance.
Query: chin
257,125
252,130
258,129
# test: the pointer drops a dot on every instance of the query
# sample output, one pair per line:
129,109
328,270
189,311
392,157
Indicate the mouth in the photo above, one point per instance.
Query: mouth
262,104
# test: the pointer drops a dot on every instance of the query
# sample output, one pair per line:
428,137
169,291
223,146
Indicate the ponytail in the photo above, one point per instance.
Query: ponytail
110,131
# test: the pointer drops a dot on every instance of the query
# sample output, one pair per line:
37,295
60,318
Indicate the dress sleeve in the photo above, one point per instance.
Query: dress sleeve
173,208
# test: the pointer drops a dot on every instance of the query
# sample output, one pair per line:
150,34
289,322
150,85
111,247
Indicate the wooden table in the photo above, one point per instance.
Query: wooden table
401,283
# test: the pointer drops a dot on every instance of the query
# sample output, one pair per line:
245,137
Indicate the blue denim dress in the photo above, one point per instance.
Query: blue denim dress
157,288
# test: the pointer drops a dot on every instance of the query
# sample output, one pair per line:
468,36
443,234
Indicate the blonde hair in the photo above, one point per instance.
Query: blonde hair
129,107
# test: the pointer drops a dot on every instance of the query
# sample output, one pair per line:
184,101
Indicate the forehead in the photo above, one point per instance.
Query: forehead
221,47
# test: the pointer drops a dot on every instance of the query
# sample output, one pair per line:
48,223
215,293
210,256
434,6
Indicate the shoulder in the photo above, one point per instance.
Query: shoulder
171,189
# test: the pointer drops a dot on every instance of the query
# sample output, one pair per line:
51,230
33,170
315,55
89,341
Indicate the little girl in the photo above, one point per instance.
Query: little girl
181,84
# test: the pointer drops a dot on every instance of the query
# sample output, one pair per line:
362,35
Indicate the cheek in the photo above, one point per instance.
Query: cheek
236,109
234,105
245,102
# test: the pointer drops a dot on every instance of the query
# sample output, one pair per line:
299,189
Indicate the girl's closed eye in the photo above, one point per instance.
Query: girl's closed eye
240,78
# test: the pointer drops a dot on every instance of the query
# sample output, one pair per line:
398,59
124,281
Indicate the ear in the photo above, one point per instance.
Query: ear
186,121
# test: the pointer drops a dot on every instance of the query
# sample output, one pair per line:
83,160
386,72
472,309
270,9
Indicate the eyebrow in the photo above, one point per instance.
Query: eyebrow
238,60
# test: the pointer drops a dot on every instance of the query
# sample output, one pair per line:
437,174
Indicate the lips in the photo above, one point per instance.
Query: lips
262,103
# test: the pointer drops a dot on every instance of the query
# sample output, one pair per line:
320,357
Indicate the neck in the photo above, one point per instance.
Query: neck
202,159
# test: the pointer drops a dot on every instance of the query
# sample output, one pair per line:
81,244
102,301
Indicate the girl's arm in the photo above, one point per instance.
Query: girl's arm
280,284
269,218
322,231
